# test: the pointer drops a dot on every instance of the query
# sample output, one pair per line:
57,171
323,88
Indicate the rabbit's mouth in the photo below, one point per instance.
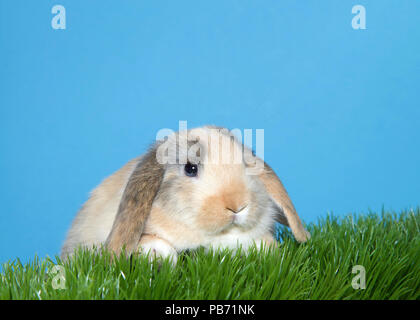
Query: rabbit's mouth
240,217
236,220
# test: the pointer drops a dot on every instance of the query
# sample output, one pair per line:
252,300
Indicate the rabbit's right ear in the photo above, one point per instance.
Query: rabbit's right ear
287,213
136,204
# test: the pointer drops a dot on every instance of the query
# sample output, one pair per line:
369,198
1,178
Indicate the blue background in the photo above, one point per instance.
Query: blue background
340,107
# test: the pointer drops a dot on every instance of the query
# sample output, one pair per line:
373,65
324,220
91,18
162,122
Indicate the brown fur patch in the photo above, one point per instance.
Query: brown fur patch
213,215
217,210
234,196
136,204
279,194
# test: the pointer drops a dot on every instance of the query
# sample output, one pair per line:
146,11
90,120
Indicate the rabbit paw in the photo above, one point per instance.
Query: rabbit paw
157,248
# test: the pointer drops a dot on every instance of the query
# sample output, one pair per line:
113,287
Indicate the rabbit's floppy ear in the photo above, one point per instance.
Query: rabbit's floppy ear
136,204
287,215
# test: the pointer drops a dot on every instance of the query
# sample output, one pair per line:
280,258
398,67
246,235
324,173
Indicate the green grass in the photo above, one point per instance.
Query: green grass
386,244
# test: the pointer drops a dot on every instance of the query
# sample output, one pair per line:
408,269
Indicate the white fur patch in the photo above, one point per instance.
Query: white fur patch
241,217
159,248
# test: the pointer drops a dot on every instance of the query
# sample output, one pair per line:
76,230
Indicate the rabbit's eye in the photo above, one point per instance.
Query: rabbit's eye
191,169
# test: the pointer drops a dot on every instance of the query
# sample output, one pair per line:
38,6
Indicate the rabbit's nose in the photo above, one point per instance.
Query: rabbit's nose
236,209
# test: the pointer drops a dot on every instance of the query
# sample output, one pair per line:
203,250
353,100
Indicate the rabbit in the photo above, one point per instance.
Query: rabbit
165,207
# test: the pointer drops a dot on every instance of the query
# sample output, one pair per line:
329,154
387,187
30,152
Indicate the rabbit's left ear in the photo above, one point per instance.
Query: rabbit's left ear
287,213
136,204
